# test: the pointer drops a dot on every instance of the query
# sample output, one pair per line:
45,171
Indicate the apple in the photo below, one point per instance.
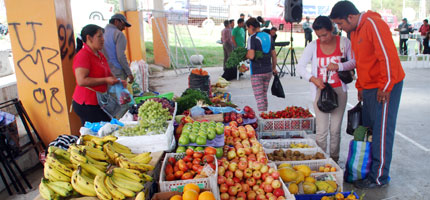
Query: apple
232,198
257,166
255,149
264,169
225,196
276,184
252,157
237,139
270,195
238,145
238,187
236,180
245,187
242,165
229,140
229,182
232,166
275,175
236,160
232,190
221,170
269,180
259,182
235,133
240,198
248,150
221,179
241,195
250,134
231,154
271,170
229,174
243,134
255,188
279,192
223,188
268,188
251,195
250,182
281,198
272,198
260,191
247,173
264,176
241,152
247,109
239,174
233,119
256,174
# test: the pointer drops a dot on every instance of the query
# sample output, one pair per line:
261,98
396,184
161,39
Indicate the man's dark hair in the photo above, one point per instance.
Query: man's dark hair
260,19
274,28
322,22
226,23
240,20
426,20
231,21
252,22
242,15
342,9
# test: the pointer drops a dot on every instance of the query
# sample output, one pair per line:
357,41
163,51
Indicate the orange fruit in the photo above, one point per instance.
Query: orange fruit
206,196
176,197
190,195
192,186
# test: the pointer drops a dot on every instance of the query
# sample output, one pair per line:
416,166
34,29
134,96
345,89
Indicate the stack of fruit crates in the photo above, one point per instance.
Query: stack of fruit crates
287,124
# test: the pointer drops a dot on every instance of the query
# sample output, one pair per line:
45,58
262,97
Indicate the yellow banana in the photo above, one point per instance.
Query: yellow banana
137,172
65,162
55,163
133,165
140,196
81,185
103,140
63,153
125,191
143,158
126,155
127,174
62,184
107,148
111,138
147,177
112,189
96,162
94,153
58,190
122,151
46,192
100,188
126,183
87,137
54,175
99,167
91,169
87,174
90,143
76,154
121,147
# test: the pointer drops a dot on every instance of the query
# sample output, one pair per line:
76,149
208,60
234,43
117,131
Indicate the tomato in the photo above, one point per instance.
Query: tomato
197,161
188,158
170,177
186,176
189,165
208,159
200,169
213,166
182,166
195,167
168,169
172,160
179,174
176,168
198,154
210,151
189,152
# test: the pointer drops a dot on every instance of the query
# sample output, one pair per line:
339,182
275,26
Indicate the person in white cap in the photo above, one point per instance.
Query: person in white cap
114,47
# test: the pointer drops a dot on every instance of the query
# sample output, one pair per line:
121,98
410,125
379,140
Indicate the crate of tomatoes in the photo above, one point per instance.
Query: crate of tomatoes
292,118
179,169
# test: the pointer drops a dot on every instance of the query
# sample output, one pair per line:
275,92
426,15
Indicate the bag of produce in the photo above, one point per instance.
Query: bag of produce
328,99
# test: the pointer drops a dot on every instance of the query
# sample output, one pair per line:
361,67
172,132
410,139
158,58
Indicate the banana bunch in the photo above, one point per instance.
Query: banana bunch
58,166
83,184
54,189
123,183
126,159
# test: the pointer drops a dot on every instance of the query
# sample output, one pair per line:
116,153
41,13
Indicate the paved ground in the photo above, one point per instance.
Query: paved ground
409,170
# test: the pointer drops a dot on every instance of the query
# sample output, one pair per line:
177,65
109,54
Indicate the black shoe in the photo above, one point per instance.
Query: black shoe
367,184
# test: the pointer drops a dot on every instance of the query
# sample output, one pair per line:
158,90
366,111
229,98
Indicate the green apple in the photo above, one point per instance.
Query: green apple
219,130
211,135
192,137
181,149
201,140
219,124
219,152
184,140
178,118
185,133
196,123
191,147
205,135
199,149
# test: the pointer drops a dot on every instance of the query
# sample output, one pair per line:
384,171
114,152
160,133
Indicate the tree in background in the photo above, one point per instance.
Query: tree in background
115,4
396,6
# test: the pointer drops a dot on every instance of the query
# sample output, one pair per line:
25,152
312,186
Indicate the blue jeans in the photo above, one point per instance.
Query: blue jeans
381,117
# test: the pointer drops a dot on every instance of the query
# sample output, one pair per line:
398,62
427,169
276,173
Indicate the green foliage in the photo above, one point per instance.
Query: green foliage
189,99
238,55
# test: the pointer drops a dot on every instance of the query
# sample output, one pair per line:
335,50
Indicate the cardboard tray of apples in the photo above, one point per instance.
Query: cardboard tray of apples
247,117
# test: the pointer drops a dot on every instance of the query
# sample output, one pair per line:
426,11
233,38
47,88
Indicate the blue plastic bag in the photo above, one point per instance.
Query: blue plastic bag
218,110
121,93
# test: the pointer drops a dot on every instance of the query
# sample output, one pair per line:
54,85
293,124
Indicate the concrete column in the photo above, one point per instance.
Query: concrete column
160,35
43,48
135,35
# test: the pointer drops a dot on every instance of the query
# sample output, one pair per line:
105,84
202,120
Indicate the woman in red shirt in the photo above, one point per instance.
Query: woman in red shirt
92,73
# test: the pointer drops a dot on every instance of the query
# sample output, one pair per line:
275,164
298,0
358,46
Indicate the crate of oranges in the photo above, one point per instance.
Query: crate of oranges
191,192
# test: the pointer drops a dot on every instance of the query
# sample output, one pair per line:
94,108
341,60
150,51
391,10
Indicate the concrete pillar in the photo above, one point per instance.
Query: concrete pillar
160,35
135,35
43,48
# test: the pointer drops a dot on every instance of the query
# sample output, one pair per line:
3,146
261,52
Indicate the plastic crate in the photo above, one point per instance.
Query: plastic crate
319,196
287,193
282,135
287,124
315,164
309,151
285,143
210,182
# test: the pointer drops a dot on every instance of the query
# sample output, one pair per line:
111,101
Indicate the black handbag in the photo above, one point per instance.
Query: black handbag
328,99
345,76
354,118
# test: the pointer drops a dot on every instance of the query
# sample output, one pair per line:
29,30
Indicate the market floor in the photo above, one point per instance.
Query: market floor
411,154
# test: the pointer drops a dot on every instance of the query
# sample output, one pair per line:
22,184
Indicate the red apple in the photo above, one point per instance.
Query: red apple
229,174
260,192
256,174
268,188
259,182
261,197
221,180
243,135
250,182
232,191
264,169
231,154
245,187
229,182
233,123
229,140
247,109
239,174
269,180
251,195
232,198
236,139
278,192
241,152
275,175
257,166
252,157
221,170
248,150
236,180
268,195
238,187
241,195
232,166
272,198
264,176
223,188
242,165
225,196
276,184
281,198
247,173
255,188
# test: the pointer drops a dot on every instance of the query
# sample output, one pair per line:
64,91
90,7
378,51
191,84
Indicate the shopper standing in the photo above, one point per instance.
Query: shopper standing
404,30
238,34
261,68
227,43
424,29
308,30
325,55
379,83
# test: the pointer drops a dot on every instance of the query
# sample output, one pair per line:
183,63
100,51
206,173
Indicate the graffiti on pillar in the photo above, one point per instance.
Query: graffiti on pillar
67,41
43,59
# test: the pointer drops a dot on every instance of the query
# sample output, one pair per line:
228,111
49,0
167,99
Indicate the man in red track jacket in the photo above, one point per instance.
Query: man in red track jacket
379,83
